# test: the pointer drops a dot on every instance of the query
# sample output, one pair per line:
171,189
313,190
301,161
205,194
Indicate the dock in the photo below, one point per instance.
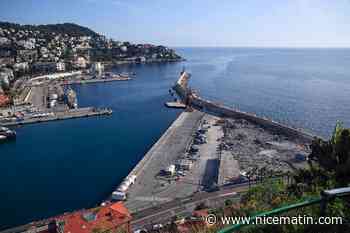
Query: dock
165,151
175,105
94,80
62,115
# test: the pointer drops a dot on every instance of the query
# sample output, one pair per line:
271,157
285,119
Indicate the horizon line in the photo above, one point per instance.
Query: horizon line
263,47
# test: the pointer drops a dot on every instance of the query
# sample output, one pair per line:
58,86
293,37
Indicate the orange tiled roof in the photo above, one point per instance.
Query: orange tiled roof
103,218
119,207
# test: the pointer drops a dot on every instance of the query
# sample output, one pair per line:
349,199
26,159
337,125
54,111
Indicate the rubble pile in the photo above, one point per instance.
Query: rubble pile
257,149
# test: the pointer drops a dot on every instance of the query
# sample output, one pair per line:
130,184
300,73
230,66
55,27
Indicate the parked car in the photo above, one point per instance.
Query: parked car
157,226
143,230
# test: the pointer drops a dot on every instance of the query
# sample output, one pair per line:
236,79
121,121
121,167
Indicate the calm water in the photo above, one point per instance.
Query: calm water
61,166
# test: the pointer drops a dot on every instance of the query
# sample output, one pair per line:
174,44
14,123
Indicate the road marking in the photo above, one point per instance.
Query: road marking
228,194
193,203
150,198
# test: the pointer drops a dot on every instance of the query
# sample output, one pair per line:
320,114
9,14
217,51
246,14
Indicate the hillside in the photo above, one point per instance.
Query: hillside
36,49
70,29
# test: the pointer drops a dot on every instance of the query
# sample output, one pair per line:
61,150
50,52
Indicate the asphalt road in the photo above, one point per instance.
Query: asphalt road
163,213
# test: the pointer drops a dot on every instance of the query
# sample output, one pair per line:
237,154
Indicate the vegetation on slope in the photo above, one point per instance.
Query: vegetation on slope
70,29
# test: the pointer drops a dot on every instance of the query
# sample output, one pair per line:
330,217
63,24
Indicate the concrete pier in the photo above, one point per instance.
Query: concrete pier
63,115
95,80
165,151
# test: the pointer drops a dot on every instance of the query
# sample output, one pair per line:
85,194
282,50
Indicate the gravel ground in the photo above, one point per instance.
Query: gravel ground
256,148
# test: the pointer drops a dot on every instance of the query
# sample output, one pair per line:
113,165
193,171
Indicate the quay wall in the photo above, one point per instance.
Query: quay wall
182,92
94,81
186,94
56,75
142,164
71,114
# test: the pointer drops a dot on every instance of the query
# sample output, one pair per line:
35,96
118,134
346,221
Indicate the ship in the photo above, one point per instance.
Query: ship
7,134
72,100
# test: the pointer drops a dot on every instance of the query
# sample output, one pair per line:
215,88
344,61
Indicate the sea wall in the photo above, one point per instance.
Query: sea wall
186,94
174,141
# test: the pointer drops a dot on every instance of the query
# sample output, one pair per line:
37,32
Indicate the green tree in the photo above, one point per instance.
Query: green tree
333,155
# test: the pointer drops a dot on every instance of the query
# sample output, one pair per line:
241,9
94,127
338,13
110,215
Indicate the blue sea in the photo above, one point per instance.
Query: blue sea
61,166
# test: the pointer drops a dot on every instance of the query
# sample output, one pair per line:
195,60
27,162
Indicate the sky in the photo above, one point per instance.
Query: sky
234,23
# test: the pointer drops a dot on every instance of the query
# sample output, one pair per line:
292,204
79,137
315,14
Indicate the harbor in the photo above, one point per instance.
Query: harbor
203,152
51,97
199,153
48,102
127,136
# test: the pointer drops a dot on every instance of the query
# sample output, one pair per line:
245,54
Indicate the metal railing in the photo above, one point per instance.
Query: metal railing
326,196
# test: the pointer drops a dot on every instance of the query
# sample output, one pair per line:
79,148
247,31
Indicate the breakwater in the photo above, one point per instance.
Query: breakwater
165,149
189,97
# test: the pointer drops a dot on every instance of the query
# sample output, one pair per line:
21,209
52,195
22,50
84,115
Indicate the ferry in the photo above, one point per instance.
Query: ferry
6,134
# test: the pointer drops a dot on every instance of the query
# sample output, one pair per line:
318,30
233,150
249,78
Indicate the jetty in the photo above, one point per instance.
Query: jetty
60,115
164,152
94,80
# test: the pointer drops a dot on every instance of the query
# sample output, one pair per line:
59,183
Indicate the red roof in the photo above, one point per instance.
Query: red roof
115,216
119,207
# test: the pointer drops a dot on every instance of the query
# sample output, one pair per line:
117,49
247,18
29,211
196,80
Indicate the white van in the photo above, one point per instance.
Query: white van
118,196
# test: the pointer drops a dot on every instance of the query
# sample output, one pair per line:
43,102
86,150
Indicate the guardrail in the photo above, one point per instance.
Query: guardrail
326,197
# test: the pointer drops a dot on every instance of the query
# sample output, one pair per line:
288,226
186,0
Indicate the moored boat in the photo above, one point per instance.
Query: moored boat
7,134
